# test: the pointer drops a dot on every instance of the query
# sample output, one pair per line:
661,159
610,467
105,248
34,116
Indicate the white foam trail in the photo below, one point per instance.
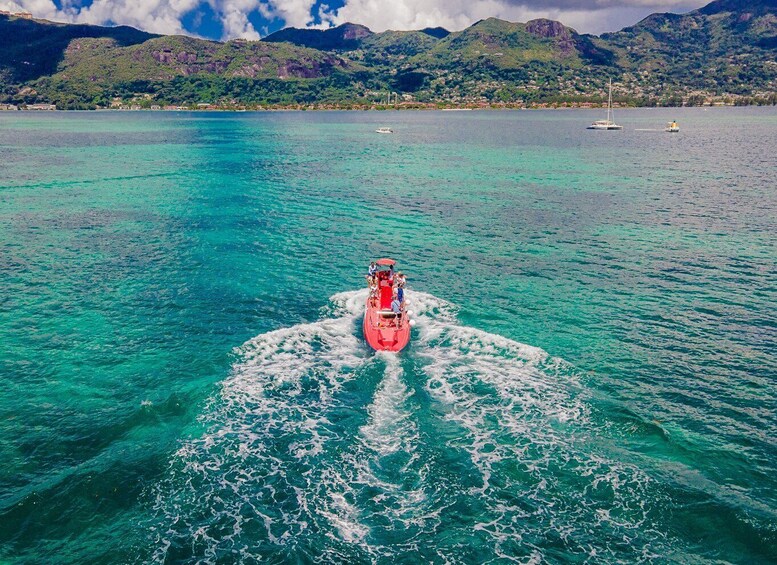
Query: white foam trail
390,427
275,467
268,422
391,430
520,409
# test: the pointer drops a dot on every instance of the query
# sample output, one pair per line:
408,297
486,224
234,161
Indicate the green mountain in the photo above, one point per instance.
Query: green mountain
728,46
725,50
31,48
89,66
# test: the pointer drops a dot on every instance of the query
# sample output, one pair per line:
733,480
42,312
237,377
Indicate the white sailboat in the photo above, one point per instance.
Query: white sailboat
608,123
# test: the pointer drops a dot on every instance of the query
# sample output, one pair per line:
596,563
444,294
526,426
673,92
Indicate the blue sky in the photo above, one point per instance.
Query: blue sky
252,19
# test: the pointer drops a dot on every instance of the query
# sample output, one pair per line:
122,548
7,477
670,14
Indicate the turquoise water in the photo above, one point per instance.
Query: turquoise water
592,377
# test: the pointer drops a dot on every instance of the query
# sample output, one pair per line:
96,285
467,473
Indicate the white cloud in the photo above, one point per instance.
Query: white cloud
165,16
234,14
380,15
39,8
234,17
295,13
584,15
155,16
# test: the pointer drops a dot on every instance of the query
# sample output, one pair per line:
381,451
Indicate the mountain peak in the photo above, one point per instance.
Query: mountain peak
545,28
345,36
438,32
350,31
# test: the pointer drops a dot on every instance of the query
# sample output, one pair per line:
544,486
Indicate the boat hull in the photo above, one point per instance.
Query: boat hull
604,126
381,331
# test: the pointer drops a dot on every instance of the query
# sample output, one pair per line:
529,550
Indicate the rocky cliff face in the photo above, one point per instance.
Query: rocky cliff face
353,31
548,29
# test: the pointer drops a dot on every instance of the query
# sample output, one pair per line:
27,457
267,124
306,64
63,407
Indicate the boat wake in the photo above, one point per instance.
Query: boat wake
467,447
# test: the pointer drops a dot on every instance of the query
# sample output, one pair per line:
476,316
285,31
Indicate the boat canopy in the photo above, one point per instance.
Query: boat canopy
385,262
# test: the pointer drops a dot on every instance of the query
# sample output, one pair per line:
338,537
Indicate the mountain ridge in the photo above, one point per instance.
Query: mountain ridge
724,49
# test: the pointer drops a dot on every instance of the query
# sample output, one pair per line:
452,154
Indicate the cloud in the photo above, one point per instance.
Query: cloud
234,14
234,17
594,5
586,16
166,16
295,13
156,16
38,8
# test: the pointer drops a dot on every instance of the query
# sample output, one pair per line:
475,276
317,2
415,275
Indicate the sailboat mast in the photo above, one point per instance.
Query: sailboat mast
609,103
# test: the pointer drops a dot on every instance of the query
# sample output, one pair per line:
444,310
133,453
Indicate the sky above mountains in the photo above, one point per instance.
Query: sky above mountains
252,19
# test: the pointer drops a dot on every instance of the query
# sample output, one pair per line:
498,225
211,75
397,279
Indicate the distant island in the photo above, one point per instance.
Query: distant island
723,53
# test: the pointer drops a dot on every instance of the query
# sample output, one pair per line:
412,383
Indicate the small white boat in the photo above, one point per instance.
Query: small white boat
608,123
604,124
672,127
384,130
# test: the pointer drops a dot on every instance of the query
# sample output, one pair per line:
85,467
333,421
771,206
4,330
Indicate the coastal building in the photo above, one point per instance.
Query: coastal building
41,107
8,107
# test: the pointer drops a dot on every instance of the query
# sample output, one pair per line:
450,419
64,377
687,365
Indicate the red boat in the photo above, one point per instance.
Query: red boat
384,329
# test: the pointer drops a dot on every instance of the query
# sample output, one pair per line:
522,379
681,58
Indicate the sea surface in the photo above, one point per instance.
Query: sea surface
592,377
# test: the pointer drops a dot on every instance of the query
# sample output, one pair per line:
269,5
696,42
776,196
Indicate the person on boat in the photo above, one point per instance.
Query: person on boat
399,282
373,290
396,307
373,269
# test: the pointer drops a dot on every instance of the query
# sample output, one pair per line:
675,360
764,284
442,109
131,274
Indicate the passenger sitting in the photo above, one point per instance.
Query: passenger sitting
373,269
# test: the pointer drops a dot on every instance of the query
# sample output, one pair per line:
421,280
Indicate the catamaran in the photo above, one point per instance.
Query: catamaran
385,328
608,123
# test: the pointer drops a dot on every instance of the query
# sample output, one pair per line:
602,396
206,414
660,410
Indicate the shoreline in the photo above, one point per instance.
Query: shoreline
419,108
